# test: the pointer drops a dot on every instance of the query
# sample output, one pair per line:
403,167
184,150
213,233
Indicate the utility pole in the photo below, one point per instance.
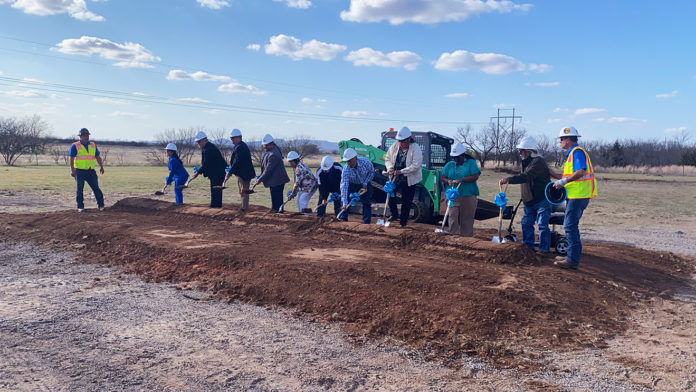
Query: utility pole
497,130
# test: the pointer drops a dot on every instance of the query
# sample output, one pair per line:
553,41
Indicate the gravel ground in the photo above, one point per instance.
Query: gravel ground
71,326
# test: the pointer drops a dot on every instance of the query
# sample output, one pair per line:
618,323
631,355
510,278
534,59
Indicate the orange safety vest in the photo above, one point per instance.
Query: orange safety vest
584,187
85,156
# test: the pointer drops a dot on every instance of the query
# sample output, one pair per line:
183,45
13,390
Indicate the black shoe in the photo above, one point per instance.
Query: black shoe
565,265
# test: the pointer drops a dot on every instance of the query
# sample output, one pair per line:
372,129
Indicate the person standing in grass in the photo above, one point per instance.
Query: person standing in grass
462,173
329,181
581,185
83,154
305,182
273,174
403,161
241,166
212,166
177,173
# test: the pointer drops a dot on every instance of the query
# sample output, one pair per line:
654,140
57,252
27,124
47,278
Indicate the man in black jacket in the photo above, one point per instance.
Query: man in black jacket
241,166
212,166
329,179
534,178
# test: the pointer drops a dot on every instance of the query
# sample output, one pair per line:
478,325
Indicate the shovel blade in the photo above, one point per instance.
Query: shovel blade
382,222
159,193
307,211
496,239
441,231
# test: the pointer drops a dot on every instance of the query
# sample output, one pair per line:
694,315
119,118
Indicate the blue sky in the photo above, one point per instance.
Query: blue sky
333,69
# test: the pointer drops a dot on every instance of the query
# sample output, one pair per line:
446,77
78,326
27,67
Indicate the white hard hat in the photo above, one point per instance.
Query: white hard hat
171,146
235,133
458,150
349,154
267,139
528,143
569,131
404,133
326,163
292,155
200,136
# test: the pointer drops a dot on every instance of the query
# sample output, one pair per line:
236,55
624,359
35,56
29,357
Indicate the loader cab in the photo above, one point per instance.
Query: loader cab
435,147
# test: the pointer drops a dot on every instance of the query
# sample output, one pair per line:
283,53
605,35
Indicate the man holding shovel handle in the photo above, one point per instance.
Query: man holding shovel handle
357,176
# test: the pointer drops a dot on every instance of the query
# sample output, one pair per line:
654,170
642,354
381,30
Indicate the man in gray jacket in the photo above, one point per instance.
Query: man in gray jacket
273,174
534,178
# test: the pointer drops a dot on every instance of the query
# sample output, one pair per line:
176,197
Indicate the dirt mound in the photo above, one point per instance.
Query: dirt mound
450,296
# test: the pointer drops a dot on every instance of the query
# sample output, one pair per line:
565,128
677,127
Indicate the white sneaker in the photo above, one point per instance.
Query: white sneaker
101,208
80,210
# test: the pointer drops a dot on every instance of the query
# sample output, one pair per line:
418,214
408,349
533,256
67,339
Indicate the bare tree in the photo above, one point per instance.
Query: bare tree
20,137
256,150
182,137
481,143
510,139
303,145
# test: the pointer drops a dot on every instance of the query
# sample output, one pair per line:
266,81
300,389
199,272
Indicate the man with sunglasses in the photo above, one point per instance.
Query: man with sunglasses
581,185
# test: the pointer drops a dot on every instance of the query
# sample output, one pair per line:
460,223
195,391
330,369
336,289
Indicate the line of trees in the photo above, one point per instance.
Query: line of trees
27,136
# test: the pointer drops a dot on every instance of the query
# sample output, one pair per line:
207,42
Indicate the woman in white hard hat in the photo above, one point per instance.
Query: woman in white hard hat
462,173
403,161
177,173
533,178
329,181
305,182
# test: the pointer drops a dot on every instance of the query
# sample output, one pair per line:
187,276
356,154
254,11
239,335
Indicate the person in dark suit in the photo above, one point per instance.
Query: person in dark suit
241,166
212,166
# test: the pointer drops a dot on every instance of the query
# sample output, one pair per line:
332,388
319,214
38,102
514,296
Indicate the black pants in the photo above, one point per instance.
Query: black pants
277,196
324,195
90,175
407,193
216,194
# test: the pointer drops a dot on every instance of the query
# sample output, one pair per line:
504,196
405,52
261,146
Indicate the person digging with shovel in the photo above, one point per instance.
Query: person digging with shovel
462,174
273,174
212,166
177,173
305,182
403,161
357,177
241,166
329,183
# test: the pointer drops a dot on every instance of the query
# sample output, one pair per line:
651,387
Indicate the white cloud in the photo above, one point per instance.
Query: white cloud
490,63
254,47
306,100
235,87
583,111
543,84
667,95
24,94
199,76
541,68
213,4
127,55
425,11
296,3
191,100
369,57
126,114
139,94
503,106
457,95
560,110
110,101
213,111
553,120
677,130
75,8
614,120
1,72
355,114
284,45
32,80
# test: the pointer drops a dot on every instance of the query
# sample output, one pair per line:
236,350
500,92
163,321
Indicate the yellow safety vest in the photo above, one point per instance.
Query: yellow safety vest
584,187
85,156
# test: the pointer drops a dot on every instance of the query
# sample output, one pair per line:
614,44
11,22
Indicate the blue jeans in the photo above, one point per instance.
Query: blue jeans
539,213
573,213
178,192
365,200
90,176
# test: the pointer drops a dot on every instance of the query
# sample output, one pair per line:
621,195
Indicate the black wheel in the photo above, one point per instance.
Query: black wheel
562,246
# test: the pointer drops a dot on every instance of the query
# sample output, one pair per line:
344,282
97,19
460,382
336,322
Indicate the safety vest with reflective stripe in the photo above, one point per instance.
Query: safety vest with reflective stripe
85,156
584,187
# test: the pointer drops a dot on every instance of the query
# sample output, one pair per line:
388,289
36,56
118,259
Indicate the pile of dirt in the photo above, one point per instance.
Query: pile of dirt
449,296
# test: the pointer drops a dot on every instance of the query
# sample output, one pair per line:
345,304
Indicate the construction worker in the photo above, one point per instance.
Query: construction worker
329,181
403,161
241,166
305,182
212,166
534,178
356,178
581,185
273,174
83,154
462,173
177,173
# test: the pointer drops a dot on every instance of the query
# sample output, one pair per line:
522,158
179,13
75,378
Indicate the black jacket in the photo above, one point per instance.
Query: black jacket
330,181
534,178
212,163
240,162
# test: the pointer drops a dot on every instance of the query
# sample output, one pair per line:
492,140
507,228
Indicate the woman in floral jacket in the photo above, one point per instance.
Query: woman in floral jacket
305,182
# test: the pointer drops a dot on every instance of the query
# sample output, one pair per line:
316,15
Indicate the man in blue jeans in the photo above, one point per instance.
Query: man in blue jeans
357,177
83,155
534,177
581,185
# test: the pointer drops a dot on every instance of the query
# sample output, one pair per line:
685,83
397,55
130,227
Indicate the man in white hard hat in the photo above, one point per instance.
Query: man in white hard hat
461,173
305,182
273,174
357,177
329,181
177,173
83,155
534,177
241,166
403,161
581,185
212,166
